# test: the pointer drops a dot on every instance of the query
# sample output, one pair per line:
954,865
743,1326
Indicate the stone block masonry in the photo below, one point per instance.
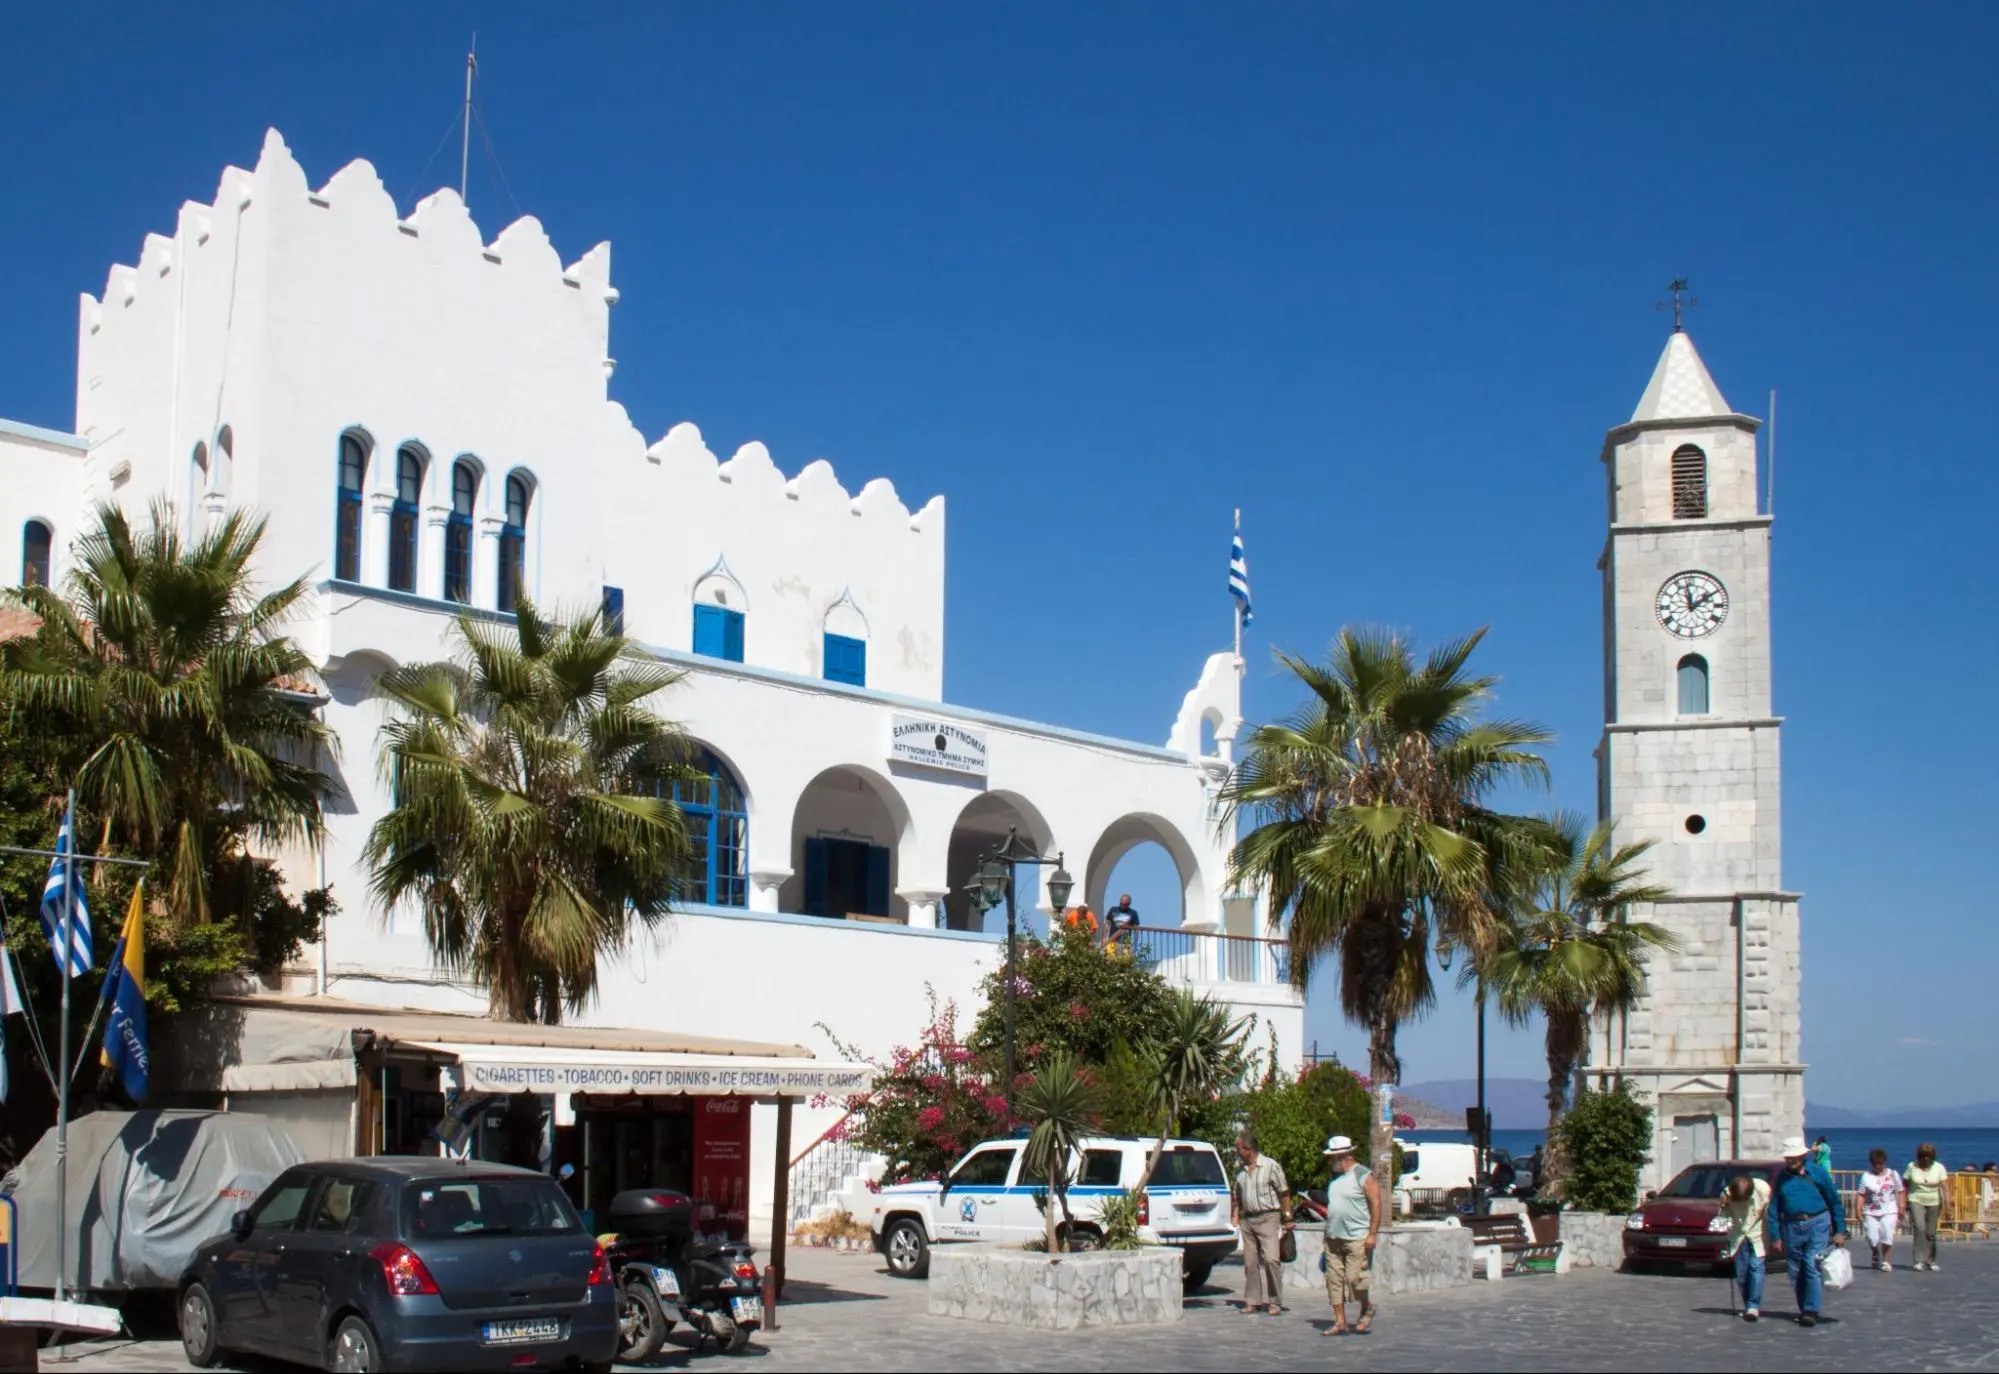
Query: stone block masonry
1066,1293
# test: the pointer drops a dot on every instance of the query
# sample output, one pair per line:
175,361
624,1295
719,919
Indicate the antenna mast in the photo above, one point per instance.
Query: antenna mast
1770,477
465,143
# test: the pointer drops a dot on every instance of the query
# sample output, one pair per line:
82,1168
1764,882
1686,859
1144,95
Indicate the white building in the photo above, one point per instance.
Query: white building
1689,760
423,416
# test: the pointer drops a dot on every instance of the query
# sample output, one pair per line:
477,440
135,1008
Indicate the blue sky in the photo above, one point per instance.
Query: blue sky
1102,273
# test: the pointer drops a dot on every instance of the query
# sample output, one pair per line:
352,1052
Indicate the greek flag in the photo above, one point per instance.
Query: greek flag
64,869
1239,576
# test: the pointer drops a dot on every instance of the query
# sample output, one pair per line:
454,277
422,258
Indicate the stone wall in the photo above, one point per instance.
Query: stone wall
1411,1258
1023,1288
1592,1240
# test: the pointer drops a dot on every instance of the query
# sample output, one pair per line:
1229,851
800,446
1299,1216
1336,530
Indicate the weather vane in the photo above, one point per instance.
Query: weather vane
1679,290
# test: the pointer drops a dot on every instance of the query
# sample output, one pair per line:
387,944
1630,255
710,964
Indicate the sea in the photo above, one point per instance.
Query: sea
1957,1148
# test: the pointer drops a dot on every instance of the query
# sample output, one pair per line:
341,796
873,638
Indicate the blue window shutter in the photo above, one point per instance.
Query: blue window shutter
815,877
877,881
846,660
709,635
732,636
614,610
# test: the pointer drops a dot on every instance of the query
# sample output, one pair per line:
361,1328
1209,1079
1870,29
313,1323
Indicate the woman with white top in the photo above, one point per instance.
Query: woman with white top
1881,1208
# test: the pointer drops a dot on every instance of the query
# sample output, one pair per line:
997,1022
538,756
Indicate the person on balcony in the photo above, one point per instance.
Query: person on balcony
1123,919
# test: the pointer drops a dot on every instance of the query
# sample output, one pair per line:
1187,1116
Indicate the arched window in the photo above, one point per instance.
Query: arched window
718,835
37,539
402,518
347,520
1689,483
513,543
458,532
1693,685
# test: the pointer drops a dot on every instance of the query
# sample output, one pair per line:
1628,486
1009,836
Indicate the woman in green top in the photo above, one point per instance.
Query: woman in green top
1925,1179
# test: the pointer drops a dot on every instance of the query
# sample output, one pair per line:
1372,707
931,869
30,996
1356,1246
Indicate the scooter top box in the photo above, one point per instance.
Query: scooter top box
652,1213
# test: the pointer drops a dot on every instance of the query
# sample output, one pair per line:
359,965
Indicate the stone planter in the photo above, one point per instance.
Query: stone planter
1592,1240
1413,1257
984,1283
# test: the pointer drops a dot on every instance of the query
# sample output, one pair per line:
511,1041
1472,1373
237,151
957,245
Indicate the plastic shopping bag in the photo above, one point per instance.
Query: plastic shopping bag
1836,1268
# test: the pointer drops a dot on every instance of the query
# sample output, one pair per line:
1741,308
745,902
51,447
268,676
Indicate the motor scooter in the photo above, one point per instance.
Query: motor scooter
667,1273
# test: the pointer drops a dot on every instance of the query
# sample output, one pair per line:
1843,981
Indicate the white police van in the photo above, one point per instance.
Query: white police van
990,1196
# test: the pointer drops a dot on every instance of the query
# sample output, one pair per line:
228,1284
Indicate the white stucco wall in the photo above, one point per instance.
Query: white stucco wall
291,315
41,476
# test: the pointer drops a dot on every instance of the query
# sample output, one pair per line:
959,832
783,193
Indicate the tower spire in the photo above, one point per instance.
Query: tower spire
465,141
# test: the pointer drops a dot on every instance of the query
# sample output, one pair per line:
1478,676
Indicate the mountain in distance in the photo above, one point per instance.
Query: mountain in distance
1973,1115
1516,1104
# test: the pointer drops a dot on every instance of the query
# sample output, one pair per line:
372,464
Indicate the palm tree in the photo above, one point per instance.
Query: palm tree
1198,1056
532,817
1062,1103
169,695
1570,953
1369,825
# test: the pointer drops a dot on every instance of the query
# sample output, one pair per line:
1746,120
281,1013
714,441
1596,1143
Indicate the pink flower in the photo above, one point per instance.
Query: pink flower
930,1118
874,1185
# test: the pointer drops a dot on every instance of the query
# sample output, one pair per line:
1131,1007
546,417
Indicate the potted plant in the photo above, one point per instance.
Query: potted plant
1544,1217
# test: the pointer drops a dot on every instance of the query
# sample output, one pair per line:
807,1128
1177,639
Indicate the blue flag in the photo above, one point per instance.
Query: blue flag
125,1047
64,870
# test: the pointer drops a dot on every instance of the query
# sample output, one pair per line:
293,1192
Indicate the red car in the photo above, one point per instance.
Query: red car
1682,1222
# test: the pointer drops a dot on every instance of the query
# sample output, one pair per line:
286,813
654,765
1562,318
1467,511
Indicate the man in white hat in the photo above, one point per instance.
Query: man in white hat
1353,1224
1804,1211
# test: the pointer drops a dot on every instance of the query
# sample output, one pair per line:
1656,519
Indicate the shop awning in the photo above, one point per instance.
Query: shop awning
269,1044
565,1069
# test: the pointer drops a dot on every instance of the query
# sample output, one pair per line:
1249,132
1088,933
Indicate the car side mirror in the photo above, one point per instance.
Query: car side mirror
239,1225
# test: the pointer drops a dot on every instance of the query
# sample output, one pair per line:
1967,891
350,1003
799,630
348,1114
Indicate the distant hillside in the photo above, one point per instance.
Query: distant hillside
1516,1104
1974,1116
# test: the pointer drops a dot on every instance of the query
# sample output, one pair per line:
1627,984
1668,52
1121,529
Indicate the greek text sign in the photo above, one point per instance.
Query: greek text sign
498,1076
937,744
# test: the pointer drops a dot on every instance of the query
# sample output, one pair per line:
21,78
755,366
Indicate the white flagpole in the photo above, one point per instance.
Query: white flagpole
62,1056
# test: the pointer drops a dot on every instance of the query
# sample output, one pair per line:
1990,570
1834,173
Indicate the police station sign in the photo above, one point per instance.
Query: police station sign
931,743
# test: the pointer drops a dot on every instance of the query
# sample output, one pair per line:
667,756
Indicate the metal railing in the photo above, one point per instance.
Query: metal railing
1970,1204
1199,956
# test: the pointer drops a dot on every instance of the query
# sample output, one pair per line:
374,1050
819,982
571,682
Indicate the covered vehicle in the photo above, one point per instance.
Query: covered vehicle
1682,1222
404,1262
144,1189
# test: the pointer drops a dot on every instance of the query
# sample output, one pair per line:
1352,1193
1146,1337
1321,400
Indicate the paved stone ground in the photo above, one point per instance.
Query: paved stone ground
845,1314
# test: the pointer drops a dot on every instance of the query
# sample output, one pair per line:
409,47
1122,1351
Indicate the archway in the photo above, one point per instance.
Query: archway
1152,860
981,828
846,832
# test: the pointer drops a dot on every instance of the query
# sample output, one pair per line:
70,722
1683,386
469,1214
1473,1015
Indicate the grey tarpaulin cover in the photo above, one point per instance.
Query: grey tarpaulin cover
145,1188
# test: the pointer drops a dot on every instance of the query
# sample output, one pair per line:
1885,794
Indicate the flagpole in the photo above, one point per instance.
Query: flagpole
62,1057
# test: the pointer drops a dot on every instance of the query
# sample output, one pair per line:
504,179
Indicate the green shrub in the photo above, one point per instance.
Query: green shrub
1292,1118
1117,1217
1605,1139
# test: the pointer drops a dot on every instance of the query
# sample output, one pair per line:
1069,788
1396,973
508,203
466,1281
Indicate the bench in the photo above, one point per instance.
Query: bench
1505,1237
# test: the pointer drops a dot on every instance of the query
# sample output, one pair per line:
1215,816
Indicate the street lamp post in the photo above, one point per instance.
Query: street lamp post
996,882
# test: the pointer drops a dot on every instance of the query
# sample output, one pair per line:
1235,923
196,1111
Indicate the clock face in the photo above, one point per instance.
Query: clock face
1692,604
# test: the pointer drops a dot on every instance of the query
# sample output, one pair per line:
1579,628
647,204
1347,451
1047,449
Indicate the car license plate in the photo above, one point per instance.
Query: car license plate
1673,1242
524,1332
664,1280
747,1309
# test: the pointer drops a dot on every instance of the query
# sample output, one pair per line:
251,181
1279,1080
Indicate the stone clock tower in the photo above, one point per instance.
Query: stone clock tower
1689,760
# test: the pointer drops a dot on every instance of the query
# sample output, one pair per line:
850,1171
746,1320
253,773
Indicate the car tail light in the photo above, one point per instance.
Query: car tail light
403,1271
600,1268
746,1271
1145,1209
